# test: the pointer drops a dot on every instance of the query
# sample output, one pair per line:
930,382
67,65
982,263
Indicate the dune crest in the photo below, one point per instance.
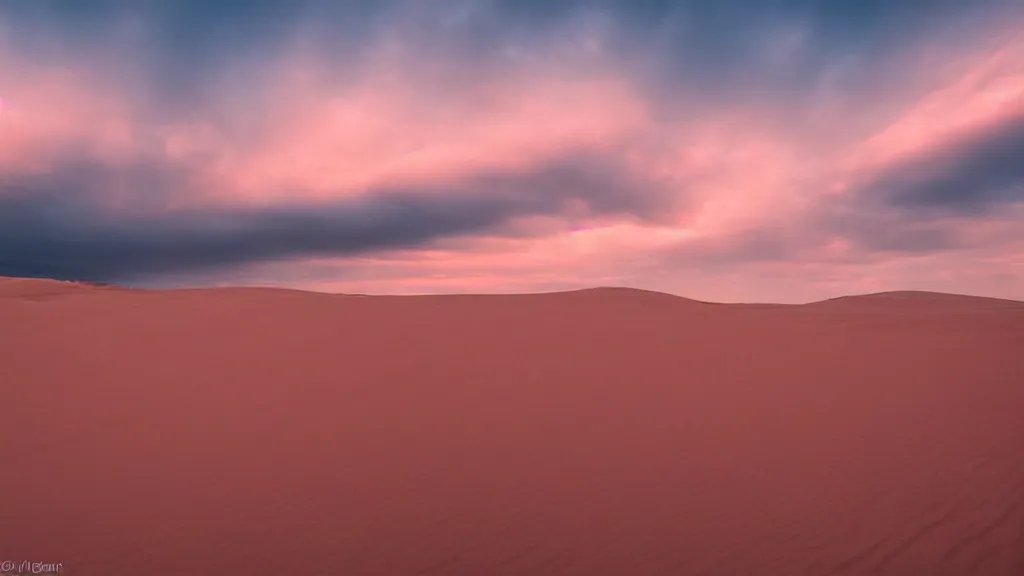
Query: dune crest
919,300
42,288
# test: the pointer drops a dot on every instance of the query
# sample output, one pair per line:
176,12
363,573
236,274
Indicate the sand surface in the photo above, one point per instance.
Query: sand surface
599,432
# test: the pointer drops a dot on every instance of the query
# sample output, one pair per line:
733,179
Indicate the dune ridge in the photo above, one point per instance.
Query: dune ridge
607,431
18,287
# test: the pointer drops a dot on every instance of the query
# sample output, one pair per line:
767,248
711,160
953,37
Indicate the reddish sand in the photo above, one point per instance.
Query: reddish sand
599,432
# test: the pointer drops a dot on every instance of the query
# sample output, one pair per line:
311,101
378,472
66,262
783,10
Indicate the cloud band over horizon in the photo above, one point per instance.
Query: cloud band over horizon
782,150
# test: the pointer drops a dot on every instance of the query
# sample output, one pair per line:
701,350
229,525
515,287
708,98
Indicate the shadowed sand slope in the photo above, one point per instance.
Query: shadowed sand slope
598,432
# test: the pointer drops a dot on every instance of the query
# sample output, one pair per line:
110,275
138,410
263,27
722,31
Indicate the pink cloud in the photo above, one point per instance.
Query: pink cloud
386,131
987,93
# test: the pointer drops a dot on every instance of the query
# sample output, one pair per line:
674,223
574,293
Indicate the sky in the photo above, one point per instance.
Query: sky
724,150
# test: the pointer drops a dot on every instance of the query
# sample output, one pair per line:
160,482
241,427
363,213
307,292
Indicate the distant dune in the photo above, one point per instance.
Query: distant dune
597,432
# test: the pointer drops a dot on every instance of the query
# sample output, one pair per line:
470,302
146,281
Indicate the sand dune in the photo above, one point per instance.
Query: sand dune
597,432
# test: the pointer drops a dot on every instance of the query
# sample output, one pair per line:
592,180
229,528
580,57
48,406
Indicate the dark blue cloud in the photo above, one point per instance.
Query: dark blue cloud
175,53
87,220
972,175
730,51
908,207
722,48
